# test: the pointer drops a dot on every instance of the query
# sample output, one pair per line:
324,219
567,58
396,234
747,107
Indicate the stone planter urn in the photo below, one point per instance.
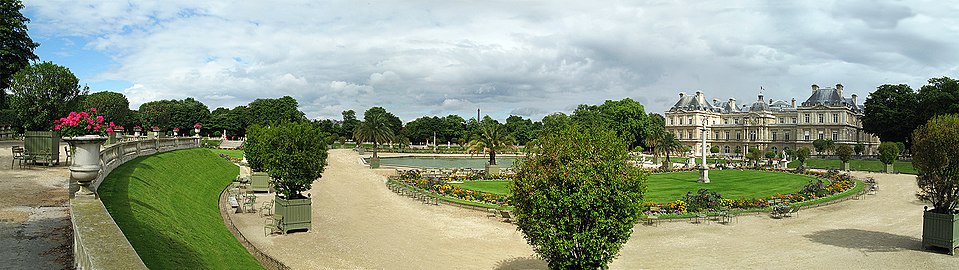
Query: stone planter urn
845,166
196,132
296,213
86,161
176,132
940,230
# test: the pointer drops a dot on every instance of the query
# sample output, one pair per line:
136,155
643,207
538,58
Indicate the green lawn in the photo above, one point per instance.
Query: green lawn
856,165
231,152
166,205
668,187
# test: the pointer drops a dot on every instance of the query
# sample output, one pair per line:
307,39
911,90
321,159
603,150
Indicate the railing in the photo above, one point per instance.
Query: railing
98,241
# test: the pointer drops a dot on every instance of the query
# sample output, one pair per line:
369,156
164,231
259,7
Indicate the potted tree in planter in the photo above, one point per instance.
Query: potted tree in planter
374,129
296,158
844,151
802,154
255,151
935,150
85,132
492,138
888,152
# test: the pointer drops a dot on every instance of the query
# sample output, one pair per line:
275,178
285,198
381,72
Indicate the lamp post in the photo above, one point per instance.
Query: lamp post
703,170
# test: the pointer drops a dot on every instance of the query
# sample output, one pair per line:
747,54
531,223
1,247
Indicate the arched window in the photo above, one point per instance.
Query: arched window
726,149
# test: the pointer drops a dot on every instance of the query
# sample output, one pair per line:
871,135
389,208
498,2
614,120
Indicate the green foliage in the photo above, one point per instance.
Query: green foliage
844,151
935,148
112,105
273,111
349,123
492,139
755,154
859,148
939,96
392,122
822,145
891,112
902,148
166,205
233,121
522,130
802,154
375,128
714,149
16,46
626,117
770,154
577,199
255,147
295,155
702,200
45,92
888,152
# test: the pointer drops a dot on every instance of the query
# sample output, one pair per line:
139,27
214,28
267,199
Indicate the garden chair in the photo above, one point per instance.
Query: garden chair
490,212
273,224
506,215
701,216
249,202
792,210
266,209
18,156
66,150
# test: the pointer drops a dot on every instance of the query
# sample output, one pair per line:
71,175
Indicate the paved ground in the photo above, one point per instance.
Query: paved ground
35,228
358,223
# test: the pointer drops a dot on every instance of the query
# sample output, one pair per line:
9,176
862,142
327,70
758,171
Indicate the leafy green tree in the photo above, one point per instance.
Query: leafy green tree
626,117
266,111
231,120
556,122
935,155
349,123
770,154
375,129
888,152
938,97
454,128
519,128
754,155
16,46
422,129
187,112
844,151
157,113
802,154
45,92
492,139
295,157
859,148
393,122
822,145
714,150
891,112
902,148
576,198
255,147
111,105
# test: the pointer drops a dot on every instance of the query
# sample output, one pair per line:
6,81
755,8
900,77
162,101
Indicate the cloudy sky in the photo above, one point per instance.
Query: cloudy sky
528,58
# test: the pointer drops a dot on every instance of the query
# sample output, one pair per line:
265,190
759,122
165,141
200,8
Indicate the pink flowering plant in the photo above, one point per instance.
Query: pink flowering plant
83,123
197,125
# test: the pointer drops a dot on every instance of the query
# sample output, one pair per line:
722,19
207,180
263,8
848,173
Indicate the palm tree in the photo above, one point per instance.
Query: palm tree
655,141
491,139
375,130
669,145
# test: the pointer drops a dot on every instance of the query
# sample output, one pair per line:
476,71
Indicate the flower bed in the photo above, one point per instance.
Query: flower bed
440,186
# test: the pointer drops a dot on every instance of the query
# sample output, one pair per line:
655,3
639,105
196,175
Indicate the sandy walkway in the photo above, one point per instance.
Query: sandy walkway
358,223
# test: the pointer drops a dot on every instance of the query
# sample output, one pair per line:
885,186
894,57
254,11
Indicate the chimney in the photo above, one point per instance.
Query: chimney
855,99
715,101
760,97
794,102
682,94
732,103
770,102
839,89
815,88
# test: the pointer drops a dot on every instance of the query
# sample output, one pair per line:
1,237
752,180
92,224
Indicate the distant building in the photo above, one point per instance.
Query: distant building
774,125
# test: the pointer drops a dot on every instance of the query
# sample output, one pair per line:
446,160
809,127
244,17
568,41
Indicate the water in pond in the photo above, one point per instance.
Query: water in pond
445,162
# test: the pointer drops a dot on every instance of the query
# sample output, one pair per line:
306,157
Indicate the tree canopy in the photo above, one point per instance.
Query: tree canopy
626,117
888,152
491,139
16,46
273,111
844,151
45,92
935,151
111,105
168,114
576,198
375,128
295,156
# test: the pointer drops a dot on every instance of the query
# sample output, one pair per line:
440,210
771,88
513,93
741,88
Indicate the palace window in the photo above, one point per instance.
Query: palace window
691,121
739,136
822,136
794,120
726,149
680,120
822,118
835,118
774,135
807,118
727,135
752,136
671,121
725,121
835,136
782,120
806,136
787,136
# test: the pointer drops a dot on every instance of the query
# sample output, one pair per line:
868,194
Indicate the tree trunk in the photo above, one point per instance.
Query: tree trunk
492,157
374,148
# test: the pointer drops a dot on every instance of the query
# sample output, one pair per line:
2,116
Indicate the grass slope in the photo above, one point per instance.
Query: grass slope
232,152
856,165
666,187
166,205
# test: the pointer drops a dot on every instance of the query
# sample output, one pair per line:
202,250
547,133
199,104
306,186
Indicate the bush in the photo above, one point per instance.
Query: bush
576,198
294,154
935,149
802,154
703,200
844,151
254,148
888,152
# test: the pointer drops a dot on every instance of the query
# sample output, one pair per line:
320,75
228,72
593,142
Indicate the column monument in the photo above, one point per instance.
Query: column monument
703,170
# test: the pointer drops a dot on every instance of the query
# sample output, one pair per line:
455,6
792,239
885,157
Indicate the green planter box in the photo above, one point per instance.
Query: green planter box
890,169
296,213
845,166
260,182
940,230
374,163
492,169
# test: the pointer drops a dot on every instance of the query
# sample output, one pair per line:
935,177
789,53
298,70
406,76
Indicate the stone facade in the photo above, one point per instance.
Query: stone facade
774,125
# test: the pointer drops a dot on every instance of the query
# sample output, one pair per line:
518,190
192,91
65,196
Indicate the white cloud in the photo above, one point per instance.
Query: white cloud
439,57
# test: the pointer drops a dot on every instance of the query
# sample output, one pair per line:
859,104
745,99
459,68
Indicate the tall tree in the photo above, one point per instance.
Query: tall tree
940,96
273,111
626,117
492,139
16,47
374,128
157,113
935,150
519,128
891,112
45,92
112,105
391,120
187,112
349,122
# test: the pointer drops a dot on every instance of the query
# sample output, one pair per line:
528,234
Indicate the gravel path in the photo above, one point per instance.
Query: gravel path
358,223
35,228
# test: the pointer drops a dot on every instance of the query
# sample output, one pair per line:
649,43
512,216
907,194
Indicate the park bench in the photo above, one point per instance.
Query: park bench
506,215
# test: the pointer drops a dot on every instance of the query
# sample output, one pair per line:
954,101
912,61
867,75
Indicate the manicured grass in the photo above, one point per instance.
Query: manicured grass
231,152
666,187
166,205
856,165
495,187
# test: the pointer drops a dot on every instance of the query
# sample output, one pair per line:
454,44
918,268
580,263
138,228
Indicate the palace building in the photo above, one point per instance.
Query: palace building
774,125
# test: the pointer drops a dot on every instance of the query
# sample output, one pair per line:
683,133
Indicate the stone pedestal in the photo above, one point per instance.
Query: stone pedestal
845,166
492,169
703,175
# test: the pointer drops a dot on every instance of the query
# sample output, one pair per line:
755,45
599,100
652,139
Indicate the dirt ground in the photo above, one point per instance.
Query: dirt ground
35,228
359,223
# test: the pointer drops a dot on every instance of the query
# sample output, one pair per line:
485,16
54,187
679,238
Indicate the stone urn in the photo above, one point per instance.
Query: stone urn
86,161
196,132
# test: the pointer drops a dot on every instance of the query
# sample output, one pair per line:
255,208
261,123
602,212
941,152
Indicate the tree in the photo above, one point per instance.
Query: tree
255,147
844,151
519,129
902,148
390,120
187,112
349,123
491,139
576,198
859,148
770,154
16,46
111,105
375,129
822,145
891,112
888,152
45,92
626,117
295,158
802,154
938,97
265,111
935,155
714,150
556,122
231,120
157,113
755,155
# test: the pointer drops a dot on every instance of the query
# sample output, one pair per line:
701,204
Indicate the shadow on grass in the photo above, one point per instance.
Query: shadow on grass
866,241
519,263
